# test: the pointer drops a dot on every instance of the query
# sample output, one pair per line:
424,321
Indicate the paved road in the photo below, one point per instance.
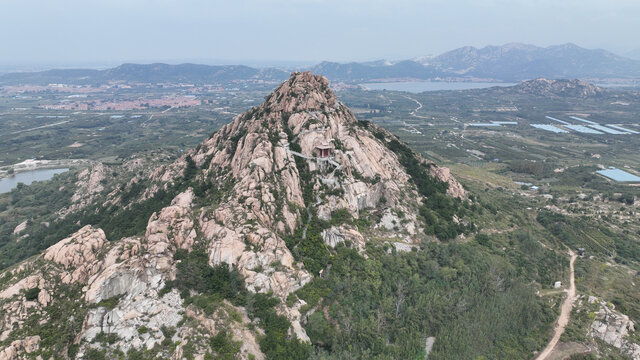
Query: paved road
565,312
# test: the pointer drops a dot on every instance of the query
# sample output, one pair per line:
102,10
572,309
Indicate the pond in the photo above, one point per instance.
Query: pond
27,178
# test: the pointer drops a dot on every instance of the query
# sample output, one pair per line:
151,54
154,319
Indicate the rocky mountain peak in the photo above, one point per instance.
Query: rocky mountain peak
269,197
303,92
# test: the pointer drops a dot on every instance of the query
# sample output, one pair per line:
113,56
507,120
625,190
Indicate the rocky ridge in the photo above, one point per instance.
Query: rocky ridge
256,183
562,88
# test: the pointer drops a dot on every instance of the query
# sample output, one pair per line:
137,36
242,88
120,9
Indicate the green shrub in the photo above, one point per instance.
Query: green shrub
32,294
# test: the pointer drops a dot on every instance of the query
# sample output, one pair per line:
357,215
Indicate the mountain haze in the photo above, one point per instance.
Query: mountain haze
509,63
514,62
151,73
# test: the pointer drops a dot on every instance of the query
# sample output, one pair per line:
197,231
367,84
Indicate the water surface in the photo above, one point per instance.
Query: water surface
27,178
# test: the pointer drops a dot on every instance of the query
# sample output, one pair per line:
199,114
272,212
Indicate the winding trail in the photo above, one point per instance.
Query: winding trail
565,312
413,113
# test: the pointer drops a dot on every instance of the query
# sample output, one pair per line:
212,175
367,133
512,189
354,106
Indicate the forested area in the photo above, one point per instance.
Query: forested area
386,305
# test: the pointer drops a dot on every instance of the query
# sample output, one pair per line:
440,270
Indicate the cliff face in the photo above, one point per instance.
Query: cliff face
257,188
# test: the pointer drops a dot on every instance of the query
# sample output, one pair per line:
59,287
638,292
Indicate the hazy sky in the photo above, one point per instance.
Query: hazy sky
251,31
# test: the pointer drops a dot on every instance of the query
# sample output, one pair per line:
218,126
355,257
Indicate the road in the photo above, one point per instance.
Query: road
413,113
565,312
41,127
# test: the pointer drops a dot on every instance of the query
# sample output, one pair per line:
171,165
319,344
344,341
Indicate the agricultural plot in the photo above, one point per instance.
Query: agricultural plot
583,129
485,124
583,120
624,129
608,130
552,128
558,120
619,175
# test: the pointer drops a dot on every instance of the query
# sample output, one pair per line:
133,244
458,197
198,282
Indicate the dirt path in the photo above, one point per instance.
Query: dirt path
565,312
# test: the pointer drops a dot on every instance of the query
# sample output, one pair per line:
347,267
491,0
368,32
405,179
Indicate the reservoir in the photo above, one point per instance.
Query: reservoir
27,178
420,86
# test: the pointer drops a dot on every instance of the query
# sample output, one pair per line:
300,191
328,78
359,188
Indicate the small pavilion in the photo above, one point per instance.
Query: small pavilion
324,150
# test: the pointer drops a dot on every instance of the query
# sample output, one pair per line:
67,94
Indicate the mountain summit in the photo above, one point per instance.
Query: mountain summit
248,217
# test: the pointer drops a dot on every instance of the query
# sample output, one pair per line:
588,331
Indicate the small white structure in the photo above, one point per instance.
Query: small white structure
557,285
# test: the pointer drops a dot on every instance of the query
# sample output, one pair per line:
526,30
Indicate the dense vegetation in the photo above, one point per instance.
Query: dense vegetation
386,305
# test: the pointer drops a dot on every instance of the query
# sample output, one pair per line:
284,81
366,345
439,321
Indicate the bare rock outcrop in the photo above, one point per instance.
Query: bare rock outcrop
88,185
614,328
20,228
78,254
455,189
27,345
255,183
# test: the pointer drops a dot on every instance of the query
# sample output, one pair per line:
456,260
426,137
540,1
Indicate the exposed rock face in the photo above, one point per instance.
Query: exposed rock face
20,228
89,182
88,185
132,313
78,254
613,327
18,347
455,189
259,179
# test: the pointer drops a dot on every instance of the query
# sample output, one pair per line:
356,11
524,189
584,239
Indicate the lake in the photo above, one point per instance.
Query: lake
27,178
420,86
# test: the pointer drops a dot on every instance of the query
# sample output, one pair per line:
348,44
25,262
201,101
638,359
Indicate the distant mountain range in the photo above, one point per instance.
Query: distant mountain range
633,54
510,63
147,73
507,63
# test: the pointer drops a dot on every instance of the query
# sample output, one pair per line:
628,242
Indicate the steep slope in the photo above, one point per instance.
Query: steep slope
253,214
